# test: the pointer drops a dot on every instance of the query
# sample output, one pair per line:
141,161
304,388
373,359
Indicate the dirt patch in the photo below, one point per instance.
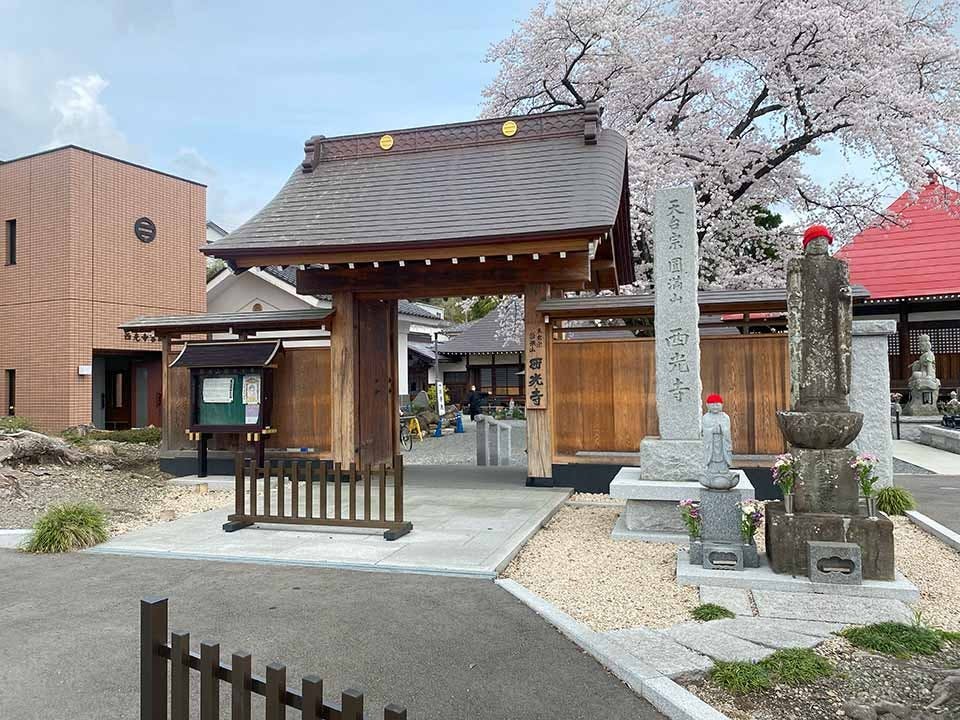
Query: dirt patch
122,478
607,584
862,677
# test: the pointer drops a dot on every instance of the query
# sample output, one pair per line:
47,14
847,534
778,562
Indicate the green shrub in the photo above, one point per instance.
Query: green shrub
797,666
895,501
896,639
14,422
68,527
710,611
740,678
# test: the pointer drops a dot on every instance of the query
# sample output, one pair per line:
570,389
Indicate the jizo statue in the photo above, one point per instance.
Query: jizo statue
717,447
820,307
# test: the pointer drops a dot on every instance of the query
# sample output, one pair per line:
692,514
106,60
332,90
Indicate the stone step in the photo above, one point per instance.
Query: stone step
653,648
829,608
765,632
704,638
736,600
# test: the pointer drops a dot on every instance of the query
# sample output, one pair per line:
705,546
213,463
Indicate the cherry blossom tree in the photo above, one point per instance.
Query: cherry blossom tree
734,96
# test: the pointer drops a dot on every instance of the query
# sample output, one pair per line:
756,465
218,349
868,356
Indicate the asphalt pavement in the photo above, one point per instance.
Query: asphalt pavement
443,647
937,496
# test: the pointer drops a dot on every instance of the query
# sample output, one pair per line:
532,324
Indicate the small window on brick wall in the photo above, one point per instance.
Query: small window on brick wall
11,392
11,244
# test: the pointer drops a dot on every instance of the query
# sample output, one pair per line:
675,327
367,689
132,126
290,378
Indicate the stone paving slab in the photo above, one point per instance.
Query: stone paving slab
767,632
654,648
736,600
763,578
704,638
809,628
466,522
805,606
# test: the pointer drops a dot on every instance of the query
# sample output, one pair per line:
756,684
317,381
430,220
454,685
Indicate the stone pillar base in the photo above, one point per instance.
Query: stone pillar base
788,537
826,482
671,460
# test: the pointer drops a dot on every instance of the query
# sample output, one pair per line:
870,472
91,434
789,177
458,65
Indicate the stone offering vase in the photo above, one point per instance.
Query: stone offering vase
820,425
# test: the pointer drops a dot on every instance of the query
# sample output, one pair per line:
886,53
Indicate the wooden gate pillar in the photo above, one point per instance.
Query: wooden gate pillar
536,341
363,380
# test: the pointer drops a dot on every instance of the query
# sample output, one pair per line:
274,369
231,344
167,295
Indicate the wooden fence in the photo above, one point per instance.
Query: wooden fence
157,649
304,483
604,399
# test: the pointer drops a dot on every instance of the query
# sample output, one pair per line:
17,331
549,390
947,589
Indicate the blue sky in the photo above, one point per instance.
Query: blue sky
226,93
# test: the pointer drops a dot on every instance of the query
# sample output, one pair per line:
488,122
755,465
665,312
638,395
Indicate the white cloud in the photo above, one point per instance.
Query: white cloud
83,119
228,204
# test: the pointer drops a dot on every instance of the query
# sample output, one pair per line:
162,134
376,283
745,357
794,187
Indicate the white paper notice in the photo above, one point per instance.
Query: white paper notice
218,390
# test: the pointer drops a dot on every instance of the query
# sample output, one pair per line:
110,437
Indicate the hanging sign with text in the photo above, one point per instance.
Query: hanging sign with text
536,375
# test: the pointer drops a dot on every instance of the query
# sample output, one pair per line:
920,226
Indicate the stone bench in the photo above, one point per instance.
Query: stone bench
652,513
942,438
493,441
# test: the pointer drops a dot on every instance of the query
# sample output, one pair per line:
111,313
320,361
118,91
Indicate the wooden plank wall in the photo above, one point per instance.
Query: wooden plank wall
604,400
301,404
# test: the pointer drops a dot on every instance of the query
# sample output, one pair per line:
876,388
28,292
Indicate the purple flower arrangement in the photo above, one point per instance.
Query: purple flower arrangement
690,512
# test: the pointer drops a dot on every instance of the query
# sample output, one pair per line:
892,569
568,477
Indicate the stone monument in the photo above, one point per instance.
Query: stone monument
924,385
720,546
820,425
671,464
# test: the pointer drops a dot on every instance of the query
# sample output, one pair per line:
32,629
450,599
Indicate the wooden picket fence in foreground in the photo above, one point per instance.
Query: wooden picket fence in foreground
157,650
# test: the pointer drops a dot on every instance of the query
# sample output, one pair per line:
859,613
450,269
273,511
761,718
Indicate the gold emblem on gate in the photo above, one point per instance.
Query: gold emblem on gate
509,128
386,142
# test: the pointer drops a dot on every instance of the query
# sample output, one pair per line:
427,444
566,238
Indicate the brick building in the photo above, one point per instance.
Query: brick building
88,242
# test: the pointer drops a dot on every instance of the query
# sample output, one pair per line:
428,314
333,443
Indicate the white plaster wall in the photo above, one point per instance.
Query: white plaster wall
403,375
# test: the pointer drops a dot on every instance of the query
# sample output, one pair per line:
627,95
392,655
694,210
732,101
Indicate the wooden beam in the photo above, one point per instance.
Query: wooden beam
537,344
344,354
469,277
402,251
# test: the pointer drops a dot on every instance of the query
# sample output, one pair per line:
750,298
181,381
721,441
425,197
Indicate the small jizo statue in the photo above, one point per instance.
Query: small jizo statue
717,447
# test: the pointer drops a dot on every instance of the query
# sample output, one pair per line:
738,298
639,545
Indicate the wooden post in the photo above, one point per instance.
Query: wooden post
153,667
166,417
344,356
537,341
903,332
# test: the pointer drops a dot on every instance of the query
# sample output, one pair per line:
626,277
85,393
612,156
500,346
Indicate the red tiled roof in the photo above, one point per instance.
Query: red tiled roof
920,257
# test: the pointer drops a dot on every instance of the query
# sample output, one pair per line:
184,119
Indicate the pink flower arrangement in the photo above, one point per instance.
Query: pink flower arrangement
750,517
865,465
690,512
785,472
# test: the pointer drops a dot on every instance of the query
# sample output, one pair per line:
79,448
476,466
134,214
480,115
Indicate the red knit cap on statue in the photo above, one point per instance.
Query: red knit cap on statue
815,231
711,399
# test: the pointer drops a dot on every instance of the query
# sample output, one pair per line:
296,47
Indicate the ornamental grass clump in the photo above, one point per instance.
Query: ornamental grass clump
741,678
895,500
68,527
897,639
793,666
690,512
710,611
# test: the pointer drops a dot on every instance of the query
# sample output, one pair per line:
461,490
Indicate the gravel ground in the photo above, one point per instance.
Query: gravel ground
862,677
124,480
461,448
607,584
596,498
934,568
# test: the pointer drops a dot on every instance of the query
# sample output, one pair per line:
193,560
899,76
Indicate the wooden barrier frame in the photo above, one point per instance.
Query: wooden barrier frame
157,647
292,473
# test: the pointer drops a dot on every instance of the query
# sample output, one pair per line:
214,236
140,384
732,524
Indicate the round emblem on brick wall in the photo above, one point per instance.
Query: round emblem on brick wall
145,230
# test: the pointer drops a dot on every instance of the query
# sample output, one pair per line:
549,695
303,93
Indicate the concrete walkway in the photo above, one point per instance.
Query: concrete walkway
442,647
930,458
466,521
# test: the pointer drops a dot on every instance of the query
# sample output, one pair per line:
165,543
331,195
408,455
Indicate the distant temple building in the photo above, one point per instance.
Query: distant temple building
89,241
912,271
